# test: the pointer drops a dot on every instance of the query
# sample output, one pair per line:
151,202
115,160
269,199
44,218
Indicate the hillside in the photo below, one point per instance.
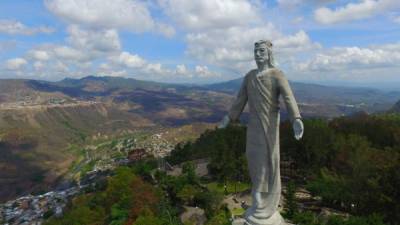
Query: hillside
35,141
395,108
42,122
331,161
166,104
327,179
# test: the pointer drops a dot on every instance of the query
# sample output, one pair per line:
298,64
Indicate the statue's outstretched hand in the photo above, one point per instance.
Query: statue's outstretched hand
298,129
224,123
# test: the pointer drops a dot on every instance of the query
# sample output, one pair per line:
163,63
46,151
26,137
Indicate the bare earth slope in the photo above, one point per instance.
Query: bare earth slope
35,140
41,122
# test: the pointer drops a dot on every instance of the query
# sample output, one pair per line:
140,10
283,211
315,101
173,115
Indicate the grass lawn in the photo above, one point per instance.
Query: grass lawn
238,211
219,187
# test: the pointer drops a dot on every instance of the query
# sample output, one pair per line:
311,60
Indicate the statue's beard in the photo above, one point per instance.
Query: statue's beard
262,62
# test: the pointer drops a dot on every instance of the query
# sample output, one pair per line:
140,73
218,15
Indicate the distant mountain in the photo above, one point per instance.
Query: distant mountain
369,99
174,104
92,86
231,86
168,104
396,107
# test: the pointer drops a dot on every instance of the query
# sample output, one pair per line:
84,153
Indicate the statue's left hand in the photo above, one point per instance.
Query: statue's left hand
224,123
298,129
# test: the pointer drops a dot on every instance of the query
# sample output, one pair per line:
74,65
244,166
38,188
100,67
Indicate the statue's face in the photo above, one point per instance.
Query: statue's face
261,54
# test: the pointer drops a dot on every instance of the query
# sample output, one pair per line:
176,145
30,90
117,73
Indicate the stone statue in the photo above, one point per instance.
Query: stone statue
262,88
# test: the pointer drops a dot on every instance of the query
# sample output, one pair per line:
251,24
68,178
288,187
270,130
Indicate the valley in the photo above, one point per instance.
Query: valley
45,125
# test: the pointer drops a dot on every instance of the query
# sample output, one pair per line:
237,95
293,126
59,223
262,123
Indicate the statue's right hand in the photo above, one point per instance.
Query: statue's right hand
224,123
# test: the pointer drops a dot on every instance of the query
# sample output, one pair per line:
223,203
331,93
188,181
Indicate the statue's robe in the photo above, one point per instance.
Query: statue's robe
262,91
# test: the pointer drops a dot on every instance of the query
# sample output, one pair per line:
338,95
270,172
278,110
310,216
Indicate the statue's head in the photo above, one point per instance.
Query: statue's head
263,53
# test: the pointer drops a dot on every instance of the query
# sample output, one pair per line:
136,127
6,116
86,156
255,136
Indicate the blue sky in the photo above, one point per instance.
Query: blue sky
206,41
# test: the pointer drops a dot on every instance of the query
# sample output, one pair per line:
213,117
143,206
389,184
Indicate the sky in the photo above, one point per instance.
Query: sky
200,41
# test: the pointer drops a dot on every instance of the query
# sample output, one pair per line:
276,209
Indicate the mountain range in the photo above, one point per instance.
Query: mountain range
44,124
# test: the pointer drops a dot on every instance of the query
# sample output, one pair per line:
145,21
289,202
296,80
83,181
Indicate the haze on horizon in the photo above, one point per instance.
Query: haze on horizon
179,41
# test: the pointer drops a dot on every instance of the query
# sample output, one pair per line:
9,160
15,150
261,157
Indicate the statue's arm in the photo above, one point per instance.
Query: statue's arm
291,106
239,103
288,98
237,106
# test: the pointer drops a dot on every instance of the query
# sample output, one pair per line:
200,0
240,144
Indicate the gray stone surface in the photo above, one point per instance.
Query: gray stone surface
193,215
261,90
239,222
242,221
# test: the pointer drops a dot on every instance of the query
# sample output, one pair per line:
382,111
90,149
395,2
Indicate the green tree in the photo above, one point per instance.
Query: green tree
291,204
148,218
188,193
189,171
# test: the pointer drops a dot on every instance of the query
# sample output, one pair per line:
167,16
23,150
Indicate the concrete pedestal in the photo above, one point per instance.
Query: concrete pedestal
241,221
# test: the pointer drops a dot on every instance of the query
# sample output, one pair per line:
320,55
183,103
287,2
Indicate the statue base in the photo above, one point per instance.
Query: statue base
243,222
276,219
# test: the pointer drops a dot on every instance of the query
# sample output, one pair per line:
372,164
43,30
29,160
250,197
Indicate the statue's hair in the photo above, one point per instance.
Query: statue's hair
269,45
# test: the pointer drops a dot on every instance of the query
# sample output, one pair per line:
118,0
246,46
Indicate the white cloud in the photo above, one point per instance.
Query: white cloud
61,67
233,48
211,14
222,33
128,60
181,69
204,72
298,20
68,53
155,68
83,46
119,73
40,55
354,11
131,15
102,40
104,66
84,65
14,27
292,4
289,4
38,65
299,42
165,29
229,45
354,58
76,57
16,63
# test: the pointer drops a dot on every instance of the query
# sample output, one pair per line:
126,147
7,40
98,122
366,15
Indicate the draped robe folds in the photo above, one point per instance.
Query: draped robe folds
261,90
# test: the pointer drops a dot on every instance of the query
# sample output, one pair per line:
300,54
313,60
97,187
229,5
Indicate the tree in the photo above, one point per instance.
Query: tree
188,193
189,171
148,218
291,204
